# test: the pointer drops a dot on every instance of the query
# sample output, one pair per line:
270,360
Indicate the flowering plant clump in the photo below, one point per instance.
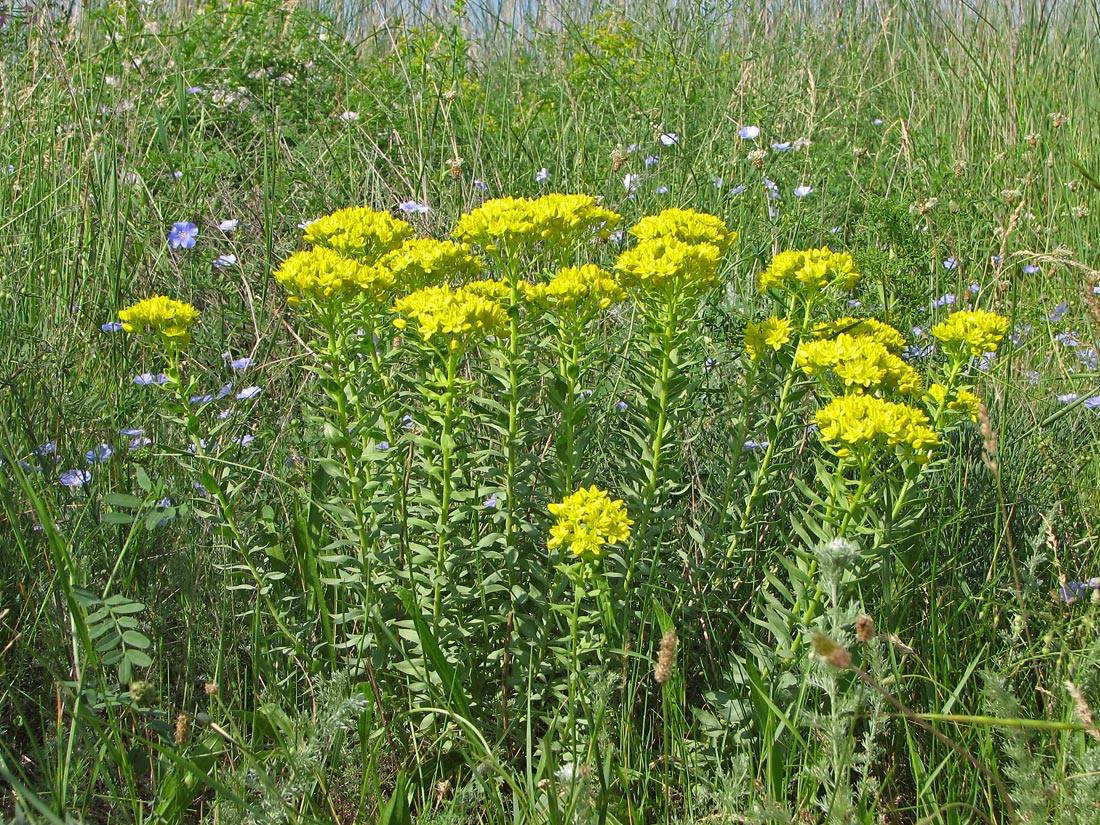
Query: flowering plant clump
962,401
657,264
863,425
425,261
322,275
461,315
555,218
171,319
586,521
859,363
815,269
871,328
685,225
358,232
976,331
585,289
761,336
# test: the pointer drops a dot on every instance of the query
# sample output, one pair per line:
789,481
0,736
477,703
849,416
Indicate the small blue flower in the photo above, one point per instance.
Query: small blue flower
716,183
201,399
749,132
995,260
782,147
223,261
944,301
669,139
756,445
130,432
139,442
661,190
74,478
1072,591
710,364
226,414
248,392
802,191
951,263
877,121
147,378
1092,403
407,422
1030,269
620,405
414,208
975,289
178,175
737,190
229,225
243,440
47,449
1059,312
183,235
542,176
112,326
99,454
855,303
652,160
194,90
383,446
28,468
481,185
241,363
490,502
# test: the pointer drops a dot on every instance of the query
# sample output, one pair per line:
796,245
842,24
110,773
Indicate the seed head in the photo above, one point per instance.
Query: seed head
865,628
665,657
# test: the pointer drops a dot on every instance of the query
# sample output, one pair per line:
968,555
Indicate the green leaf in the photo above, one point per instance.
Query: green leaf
135,639
455,698
123,500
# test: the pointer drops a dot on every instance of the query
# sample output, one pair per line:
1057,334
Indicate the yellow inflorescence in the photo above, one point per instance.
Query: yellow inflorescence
461,315
657,263
975,330
576,287
764,335
320,274
816,269
964,402
358,232
685,225
859,363
424,261
871,328
857,424
171,319
586,521
556,219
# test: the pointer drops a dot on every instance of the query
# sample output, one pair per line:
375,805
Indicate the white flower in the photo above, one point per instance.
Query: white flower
630,182
749,132
802,191
348,116
229,225
669,138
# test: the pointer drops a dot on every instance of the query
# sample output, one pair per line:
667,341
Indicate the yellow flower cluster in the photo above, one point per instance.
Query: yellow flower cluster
871,328
685,225
577,288
320,274
764,335
858,424
171,319
859,363
816,269
587,520
556,219
422,261
461,315
659,263
975,330
358,232
964,402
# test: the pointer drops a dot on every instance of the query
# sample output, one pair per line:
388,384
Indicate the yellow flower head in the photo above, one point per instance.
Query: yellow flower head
586,521
322,275
685,225
358,232
859,363
813,269
580,289
862,327
424,261
863,424
554,219
964,402
976,331
171,319
461,316
764,335
657,263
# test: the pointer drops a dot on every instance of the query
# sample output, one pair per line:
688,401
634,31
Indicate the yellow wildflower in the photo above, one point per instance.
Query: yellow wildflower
685,225
171,319
975,330
815,269
859,363
773,334
855,424
964,402
321,275
581,288
461,315
424,261
358,232
657,263
587,520
556,219
862,327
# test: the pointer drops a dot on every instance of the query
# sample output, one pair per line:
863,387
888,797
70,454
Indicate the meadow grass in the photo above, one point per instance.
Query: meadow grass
307,579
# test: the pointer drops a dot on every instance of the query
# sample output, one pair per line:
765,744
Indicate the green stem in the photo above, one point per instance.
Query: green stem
445,447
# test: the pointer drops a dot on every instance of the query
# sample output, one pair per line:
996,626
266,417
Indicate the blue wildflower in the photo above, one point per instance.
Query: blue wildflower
112,326
749,132
652,160
229,225
951,263
1030,269
248,392
183,235
226,390
781,147
74,478
661,190
1059,312
490,502
241,363
802,191
414,208
669,139
737,190
99,454
620,405
542,176
223,261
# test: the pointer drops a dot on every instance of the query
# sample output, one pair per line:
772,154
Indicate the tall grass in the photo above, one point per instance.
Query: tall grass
206,634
